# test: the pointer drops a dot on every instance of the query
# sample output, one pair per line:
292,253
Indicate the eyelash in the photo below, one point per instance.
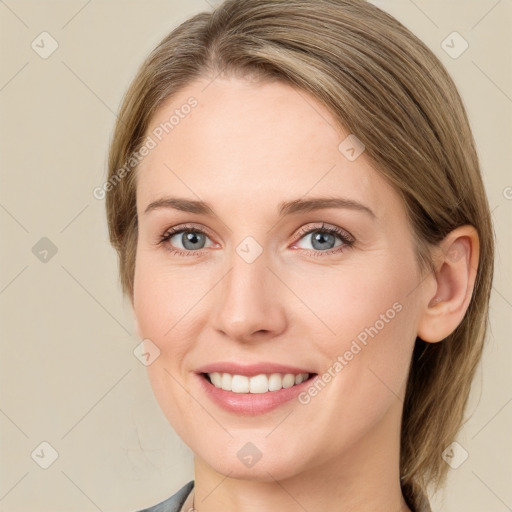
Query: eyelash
347,240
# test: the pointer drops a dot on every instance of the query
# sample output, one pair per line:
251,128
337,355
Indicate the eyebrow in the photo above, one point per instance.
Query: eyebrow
284,208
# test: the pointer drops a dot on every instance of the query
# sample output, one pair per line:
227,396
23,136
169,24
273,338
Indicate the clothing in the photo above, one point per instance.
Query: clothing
176,501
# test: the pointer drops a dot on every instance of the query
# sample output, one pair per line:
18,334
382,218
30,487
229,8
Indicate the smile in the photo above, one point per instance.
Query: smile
252,389
262,383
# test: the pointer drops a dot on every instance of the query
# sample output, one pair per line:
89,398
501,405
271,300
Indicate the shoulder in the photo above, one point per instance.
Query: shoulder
173,503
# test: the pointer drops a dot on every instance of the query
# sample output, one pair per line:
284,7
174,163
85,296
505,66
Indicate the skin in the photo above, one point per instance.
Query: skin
245,148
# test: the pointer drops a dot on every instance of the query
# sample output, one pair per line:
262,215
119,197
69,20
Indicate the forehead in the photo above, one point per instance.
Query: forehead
256,144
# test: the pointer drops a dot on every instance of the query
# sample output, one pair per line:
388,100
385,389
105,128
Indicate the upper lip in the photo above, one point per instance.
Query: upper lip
250,369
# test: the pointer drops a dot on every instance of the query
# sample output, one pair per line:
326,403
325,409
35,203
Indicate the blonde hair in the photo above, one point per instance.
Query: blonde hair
386,87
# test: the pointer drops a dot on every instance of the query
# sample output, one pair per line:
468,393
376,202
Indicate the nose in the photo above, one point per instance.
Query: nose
250,303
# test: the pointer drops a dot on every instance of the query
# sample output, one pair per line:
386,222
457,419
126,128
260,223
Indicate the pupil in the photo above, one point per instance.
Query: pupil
191,238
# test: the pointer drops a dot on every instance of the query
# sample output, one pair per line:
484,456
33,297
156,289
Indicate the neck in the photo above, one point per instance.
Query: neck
363,479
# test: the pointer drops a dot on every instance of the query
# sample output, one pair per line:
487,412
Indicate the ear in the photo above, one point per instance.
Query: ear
456,269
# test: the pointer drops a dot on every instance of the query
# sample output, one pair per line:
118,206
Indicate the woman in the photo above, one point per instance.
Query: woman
304,236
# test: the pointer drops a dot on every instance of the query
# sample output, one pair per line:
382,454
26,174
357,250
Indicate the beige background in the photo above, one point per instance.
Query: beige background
68,375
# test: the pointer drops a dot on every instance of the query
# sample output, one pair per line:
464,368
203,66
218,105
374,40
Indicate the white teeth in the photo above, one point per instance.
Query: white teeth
288,380
240,384
275,382
216,379
225,383
258,383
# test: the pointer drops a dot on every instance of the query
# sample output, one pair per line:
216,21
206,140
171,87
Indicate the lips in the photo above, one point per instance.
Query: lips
241,389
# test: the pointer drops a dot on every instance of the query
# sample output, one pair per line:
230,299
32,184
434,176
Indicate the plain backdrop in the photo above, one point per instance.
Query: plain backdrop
73,396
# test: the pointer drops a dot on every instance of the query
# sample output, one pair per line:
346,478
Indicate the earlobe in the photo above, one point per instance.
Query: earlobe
457,262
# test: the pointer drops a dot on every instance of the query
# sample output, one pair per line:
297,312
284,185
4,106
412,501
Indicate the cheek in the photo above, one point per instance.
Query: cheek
165,299
163,306
355,300
367,359
366,316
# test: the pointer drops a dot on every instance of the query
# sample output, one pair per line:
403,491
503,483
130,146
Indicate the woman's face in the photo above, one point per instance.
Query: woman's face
258,287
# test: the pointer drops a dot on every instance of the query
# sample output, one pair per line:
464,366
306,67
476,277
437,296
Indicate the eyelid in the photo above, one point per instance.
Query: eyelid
188,227
307,229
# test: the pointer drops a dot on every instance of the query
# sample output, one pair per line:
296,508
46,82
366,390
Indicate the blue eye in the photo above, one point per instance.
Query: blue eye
322,239
193,239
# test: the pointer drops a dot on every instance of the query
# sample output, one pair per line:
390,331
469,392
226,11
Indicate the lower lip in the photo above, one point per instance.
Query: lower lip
250,404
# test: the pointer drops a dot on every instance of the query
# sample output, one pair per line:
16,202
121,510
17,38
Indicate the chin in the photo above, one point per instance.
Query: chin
258,461
268,471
